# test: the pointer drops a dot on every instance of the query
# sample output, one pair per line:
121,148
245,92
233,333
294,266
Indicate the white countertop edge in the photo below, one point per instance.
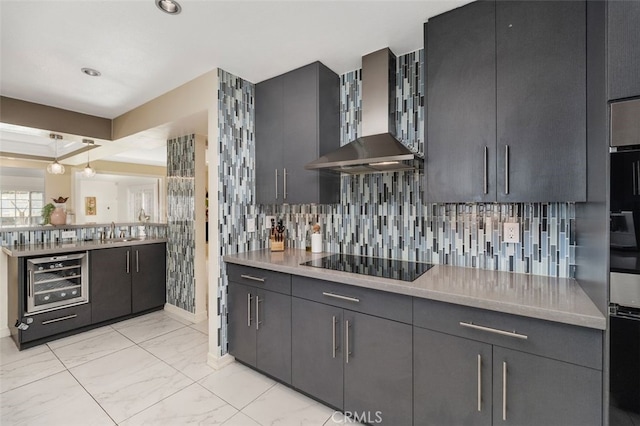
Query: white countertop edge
591,319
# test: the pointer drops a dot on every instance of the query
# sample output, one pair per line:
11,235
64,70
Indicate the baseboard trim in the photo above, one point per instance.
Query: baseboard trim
4,332
185,315
219,362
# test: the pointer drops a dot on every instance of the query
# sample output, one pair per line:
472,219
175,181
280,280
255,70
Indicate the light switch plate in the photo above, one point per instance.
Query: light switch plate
68,235
511,232
251,225
267,221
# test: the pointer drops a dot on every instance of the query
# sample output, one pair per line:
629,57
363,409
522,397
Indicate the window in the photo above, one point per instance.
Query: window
21,207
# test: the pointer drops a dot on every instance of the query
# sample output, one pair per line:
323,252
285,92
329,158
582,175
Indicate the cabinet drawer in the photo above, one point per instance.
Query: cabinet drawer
58,321
379,303
262,278
578,345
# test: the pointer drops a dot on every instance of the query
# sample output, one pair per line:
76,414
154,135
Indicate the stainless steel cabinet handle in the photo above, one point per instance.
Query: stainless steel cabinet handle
637,181
333,345
479,382
284,178
494,330
258,322
338,296
506,169
249,277
127,261
276,184
31,283
504,391
346,340
485,165
248,309
137,262
51,321
634,178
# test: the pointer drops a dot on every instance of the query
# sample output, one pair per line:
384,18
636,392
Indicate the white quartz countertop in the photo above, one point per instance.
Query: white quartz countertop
44,249
547,298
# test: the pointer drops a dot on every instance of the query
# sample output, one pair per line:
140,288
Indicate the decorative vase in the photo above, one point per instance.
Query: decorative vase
58,215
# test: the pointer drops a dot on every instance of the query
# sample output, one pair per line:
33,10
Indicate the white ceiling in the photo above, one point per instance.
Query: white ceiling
143,53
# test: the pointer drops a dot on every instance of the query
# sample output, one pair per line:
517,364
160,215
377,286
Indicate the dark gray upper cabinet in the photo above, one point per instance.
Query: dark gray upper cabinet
461,99
297,121
506,102
541,101
623,52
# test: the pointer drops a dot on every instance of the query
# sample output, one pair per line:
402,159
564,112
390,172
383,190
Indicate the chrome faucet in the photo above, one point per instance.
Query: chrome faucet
112,230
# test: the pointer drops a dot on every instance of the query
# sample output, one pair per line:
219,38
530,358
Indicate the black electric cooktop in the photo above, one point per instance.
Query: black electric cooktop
385,268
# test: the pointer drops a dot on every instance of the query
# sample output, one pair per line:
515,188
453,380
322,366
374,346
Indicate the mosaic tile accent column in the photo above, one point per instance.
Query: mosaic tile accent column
181,158
236,171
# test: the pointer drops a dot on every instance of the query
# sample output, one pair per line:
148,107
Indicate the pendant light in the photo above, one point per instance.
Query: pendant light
55,168
88,170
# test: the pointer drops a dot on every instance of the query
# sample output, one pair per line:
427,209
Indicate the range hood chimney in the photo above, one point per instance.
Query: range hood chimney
378,150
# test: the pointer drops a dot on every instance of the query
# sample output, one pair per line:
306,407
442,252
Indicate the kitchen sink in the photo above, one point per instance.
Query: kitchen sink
122,240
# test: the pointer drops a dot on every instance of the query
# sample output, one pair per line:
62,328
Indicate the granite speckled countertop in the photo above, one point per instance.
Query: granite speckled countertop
43,249
547,298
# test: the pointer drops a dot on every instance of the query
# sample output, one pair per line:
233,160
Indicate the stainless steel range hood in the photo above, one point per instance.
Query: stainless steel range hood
378,150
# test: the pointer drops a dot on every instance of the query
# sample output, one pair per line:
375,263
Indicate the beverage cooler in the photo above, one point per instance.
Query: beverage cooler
56,281
48,296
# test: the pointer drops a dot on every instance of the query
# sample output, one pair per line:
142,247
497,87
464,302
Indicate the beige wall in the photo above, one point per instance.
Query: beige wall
192,98
28,114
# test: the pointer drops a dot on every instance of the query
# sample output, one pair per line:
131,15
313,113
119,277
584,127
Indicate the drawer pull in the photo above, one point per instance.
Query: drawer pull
494,330
59,319
338,296
249,277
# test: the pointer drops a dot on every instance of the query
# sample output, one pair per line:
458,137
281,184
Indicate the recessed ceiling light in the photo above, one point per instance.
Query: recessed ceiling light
171,7
91,72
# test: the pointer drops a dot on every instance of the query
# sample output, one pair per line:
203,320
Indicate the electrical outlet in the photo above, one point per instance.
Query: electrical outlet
68,235
251,225
267,221
511,232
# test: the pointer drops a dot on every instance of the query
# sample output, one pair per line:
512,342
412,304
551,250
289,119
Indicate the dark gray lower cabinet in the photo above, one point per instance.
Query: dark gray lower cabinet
241,328
378,371
148,277
534,390
127,280
464,381
317,351
452,379
260,329
359,363
110,282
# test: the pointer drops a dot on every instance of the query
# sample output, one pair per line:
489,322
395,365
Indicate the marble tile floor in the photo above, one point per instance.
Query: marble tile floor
149,370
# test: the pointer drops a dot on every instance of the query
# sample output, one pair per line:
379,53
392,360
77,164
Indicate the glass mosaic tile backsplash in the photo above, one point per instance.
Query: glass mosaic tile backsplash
384,215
